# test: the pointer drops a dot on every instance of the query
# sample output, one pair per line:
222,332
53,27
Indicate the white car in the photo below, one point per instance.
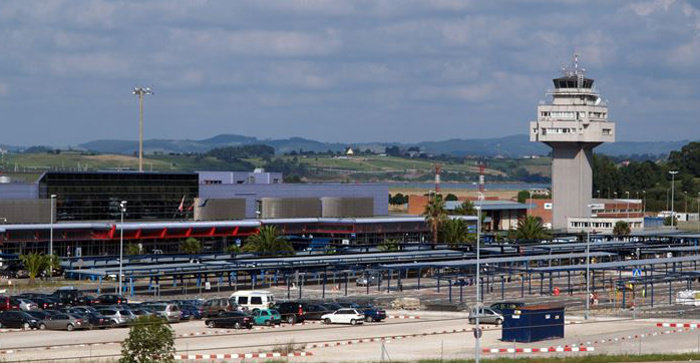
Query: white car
344,316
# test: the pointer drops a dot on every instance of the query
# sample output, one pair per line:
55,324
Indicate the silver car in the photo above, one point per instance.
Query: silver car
27,305
171,312
63,322
486,316
118,317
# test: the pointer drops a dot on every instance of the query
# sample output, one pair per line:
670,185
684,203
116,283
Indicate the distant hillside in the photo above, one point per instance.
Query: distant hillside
512,146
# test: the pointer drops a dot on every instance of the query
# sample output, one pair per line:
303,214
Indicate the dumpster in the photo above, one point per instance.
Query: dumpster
533,323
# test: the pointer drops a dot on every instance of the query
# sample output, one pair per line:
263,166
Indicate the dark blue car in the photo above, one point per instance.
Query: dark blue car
190,312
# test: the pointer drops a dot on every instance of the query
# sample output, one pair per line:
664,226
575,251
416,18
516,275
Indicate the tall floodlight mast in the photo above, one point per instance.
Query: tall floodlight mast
141,92
573,123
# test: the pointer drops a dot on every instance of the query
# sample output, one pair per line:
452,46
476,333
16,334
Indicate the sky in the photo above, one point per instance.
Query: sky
338,70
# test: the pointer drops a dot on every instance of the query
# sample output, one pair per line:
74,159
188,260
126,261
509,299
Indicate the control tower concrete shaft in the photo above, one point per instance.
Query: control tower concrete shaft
572,123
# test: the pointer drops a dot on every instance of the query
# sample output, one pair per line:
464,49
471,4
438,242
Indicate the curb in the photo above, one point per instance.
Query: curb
239,356
678,325
403,317
539,350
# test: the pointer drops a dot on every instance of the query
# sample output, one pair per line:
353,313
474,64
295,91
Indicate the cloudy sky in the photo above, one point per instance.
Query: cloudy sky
338,70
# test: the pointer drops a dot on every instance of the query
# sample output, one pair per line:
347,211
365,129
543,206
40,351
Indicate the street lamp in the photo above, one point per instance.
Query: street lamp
52,202
673,187
122,210
628,205
477,347
588,261
141,92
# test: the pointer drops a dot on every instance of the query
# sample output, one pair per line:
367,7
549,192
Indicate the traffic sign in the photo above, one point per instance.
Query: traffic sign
637,272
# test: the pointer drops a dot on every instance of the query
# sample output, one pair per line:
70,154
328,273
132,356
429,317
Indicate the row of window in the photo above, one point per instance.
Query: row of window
573,115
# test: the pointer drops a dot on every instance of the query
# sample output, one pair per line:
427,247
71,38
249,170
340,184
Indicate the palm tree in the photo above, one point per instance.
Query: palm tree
268,243
455,232
435,215
531,228
191,246
34,262
621,229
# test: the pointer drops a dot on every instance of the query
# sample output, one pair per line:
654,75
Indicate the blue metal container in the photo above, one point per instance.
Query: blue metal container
533,323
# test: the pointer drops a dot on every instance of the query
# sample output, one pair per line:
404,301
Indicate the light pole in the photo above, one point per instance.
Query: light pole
644,203
673,187
588,262
698,212
122,210
477,352
141,92
628,205
52,202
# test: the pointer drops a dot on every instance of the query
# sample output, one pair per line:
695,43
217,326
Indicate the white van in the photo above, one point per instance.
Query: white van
253,300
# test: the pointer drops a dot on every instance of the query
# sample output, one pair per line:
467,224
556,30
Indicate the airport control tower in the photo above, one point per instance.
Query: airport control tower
572,123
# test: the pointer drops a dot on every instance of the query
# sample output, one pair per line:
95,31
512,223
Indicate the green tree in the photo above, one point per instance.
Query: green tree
435,215
451,197
388,245
191,246
133,249
455,232
523,196
35,263
267,242
233,248
621,229
465,209
150,340
531,228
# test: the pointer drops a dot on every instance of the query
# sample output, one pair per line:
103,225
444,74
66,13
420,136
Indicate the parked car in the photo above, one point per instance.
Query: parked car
218,305
170,312
254,299
95,320
292,312
143,312
316,311
63,322
486,316
18,319
80,309
344,316
118,317
26,304
506,305
372,313
230,319
190,312
39,314
266,317
331,306
71,296
8,303
109,299
44,301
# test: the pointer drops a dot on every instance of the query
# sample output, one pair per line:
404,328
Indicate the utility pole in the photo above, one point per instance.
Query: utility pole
477,345
141,92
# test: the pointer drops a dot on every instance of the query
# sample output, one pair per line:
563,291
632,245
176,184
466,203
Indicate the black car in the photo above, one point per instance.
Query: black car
71,297
292,311
109,299
95,320
18,320
230,319
332,306
316,311
44,301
